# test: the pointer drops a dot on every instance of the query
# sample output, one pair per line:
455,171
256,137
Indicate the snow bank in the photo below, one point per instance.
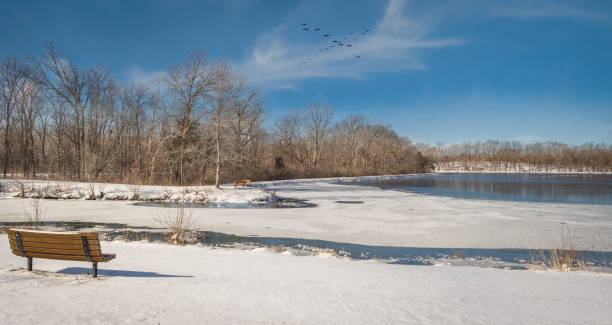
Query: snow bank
103,191
155,283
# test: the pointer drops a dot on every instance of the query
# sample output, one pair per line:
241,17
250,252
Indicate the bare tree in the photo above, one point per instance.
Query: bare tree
245,118
227,89
318,123
13,81
189,84
70,84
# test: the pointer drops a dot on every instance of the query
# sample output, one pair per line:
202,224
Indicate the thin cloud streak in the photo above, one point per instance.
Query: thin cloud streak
393,44
545,10
137,76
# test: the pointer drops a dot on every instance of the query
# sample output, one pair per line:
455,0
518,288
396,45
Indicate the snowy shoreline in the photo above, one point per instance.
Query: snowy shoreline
200,284
258,192
55,190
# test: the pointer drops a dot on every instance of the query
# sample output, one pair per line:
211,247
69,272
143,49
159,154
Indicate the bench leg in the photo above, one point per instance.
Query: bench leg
95,270
29,264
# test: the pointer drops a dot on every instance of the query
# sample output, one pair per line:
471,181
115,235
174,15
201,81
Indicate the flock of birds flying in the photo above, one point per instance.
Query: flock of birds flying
345,41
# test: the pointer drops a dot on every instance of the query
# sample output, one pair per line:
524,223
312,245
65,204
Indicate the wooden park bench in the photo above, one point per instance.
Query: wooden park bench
242,182
70,246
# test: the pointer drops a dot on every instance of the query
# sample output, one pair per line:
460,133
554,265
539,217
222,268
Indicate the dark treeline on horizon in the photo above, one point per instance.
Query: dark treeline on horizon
202,124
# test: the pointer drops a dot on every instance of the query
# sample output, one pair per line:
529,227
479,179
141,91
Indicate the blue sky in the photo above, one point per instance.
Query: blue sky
449,71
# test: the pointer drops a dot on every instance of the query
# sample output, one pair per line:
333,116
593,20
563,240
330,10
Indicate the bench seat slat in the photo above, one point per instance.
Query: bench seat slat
42,250
67,257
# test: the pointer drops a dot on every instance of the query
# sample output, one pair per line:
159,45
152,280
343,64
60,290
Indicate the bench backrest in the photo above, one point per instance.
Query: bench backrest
242,181
74,246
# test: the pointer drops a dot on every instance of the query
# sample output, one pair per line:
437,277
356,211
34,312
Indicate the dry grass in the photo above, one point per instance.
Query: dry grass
566,254
180,225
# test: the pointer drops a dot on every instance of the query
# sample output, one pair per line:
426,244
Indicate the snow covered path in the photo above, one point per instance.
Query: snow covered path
157,283
387,218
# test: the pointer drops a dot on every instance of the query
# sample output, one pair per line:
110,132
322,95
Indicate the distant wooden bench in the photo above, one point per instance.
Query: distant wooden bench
242,182
70,246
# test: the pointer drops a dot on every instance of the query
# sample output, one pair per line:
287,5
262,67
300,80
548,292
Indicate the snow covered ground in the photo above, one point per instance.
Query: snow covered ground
388,218
158,283
103,191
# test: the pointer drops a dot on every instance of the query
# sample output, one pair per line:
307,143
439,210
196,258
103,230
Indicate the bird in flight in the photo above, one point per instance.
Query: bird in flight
326,35
317,29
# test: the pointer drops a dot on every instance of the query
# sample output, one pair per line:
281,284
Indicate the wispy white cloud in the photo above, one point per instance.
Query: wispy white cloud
138,76
538,10
394,43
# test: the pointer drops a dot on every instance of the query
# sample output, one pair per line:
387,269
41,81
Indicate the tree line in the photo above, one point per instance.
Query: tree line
513,156
200,124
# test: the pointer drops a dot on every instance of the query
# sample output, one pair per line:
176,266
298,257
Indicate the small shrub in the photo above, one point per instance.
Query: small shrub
180,225
33,216
22,189
136,190
567,256
101,188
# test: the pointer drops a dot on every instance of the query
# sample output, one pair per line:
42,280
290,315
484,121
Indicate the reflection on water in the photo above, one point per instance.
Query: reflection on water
564,188
501,258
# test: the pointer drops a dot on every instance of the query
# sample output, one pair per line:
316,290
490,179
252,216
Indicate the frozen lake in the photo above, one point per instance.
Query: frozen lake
363,215
561,188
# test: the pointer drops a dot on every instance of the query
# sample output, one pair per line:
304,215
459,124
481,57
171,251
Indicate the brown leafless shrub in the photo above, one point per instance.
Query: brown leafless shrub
22,188
92,192
33,215
567,254
180,225
136,190
101,188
